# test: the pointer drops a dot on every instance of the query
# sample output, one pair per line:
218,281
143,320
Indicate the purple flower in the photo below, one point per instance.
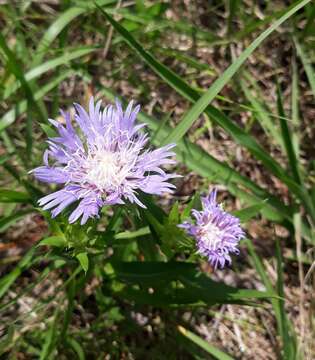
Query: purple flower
102,162
217,233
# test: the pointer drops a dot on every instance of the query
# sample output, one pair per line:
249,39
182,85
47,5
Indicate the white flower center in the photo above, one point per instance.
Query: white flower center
105,170
211,236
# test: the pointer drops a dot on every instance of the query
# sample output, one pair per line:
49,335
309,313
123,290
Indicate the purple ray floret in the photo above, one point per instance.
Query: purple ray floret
217,232
102,161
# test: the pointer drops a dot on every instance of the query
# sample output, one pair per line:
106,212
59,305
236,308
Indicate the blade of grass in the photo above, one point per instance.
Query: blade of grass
288,339
232,8
210,349
287,139
306,64
310,22
295,109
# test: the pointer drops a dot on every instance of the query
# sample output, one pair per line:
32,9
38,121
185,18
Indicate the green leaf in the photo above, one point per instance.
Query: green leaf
310,74
49,131
287,139
295,108
210,349
77,348
11,196
174,216
198,288
248,213
50,336
83,260
57,241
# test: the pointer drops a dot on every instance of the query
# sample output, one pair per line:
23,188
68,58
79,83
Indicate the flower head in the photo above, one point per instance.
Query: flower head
217,233
103,161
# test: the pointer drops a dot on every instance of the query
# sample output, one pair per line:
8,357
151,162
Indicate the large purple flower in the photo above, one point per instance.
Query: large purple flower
217,233
102,162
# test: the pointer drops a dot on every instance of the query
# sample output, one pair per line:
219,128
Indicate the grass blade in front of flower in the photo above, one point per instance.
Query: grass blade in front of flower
210,349
237,133
284,327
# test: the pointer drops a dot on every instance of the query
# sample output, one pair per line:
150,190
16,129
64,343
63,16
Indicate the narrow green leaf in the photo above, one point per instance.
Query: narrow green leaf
133,234
288,342
287,139
11,196
233,8
210,349
83,260
248,213
197,285
58,241
77,348
49,131
50,337
310,22
306,64
295,108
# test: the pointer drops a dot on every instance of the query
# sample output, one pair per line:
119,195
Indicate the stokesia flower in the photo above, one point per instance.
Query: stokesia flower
102,162
217,232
